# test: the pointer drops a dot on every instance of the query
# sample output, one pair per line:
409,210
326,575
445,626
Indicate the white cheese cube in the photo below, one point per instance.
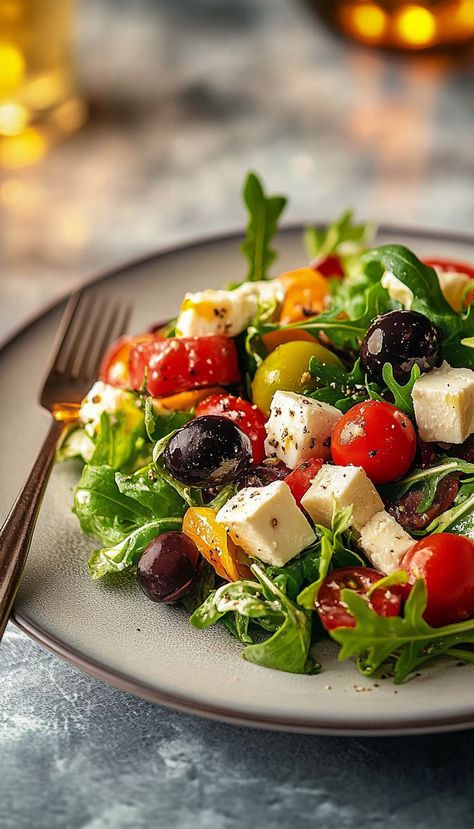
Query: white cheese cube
397,289
267,523
385,542
299,428
453,286
224,312
443,400
105,398
336,487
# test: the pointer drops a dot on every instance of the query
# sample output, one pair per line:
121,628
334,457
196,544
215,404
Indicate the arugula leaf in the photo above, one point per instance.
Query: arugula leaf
301,570
263,602
76,445
402,398
403,644
150,490
126,553
264,212
337,386
160,424
341,236
426,479
333,552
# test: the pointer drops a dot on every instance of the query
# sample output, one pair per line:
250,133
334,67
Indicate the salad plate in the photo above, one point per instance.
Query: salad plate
108,627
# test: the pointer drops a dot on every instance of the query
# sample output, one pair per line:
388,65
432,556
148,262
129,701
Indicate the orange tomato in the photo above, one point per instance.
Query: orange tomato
306,294
273,339
229,561
184,400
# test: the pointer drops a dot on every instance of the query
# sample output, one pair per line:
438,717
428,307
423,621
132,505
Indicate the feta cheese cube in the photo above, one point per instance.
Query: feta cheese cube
336,487
385,542
224,312
397,289
105,398
267,523
443,400
299,428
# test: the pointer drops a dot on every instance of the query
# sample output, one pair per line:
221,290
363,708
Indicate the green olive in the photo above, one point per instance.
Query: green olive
286,369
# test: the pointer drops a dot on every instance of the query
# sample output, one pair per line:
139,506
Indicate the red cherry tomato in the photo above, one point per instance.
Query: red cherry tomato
114,366
299,480
450,266
330,266
376,436
446,562
181,363
333,611
246,415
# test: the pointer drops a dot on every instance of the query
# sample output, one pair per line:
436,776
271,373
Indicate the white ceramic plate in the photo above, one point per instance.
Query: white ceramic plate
112,631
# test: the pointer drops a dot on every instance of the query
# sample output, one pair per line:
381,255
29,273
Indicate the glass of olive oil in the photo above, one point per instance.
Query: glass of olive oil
398,24
38,99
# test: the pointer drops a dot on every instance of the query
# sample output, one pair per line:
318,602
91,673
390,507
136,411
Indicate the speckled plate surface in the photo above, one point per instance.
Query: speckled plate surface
111,630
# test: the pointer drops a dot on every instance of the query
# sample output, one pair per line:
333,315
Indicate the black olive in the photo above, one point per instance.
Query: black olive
208,451
168,567
403,339
265,473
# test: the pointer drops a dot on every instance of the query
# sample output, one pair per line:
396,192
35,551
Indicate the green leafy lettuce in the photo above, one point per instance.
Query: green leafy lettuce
262,601
341,237
124,513
264,212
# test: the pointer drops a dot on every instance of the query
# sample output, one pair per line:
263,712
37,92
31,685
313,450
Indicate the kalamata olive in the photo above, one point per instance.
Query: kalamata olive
405,510
208,451
168,567
267,472
403,339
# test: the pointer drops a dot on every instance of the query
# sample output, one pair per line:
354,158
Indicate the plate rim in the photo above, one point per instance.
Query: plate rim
186,703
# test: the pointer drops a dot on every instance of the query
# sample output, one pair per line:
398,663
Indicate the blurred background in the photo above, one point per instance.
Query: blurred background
126,125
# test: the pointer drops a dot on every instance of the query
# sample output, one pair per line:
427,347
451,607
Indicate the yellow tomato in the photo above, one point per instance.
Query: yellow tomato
306,294
229,561
286,369
273,339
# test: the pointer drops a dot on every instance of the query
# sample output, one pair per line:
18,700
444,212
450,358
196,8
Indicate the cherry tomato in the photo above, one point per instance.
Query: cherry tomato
286,369
446,562
246,415
114,366
333,611
376,436
306,293
182,363
329,266
299,480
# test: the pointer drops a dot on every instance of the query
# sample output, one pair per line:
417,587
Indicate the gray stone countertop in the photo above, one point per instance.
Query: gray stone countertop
184,97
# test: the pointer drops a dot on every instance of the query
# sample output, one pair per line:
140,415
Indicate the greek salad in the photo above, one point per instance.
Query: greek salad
293,457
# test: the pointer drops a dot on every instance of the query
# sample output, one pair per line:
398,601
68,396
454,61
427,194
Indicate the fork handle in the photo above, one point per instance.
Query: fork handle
17,531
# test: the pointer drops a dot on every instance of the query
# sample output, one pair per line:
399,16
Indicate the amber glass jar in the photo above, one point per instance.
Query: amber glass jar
395,24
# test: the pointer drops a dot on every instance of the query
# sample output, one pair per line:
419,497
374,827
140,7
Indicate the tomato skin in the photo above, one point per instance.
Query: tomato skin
114,366
446,562
332,611
272,339
299,480
376,436
247,416
181,363
329,266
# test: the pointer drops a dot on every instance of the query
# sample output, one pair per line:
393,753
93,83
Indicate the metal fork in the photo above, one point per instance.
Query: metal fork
90,323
